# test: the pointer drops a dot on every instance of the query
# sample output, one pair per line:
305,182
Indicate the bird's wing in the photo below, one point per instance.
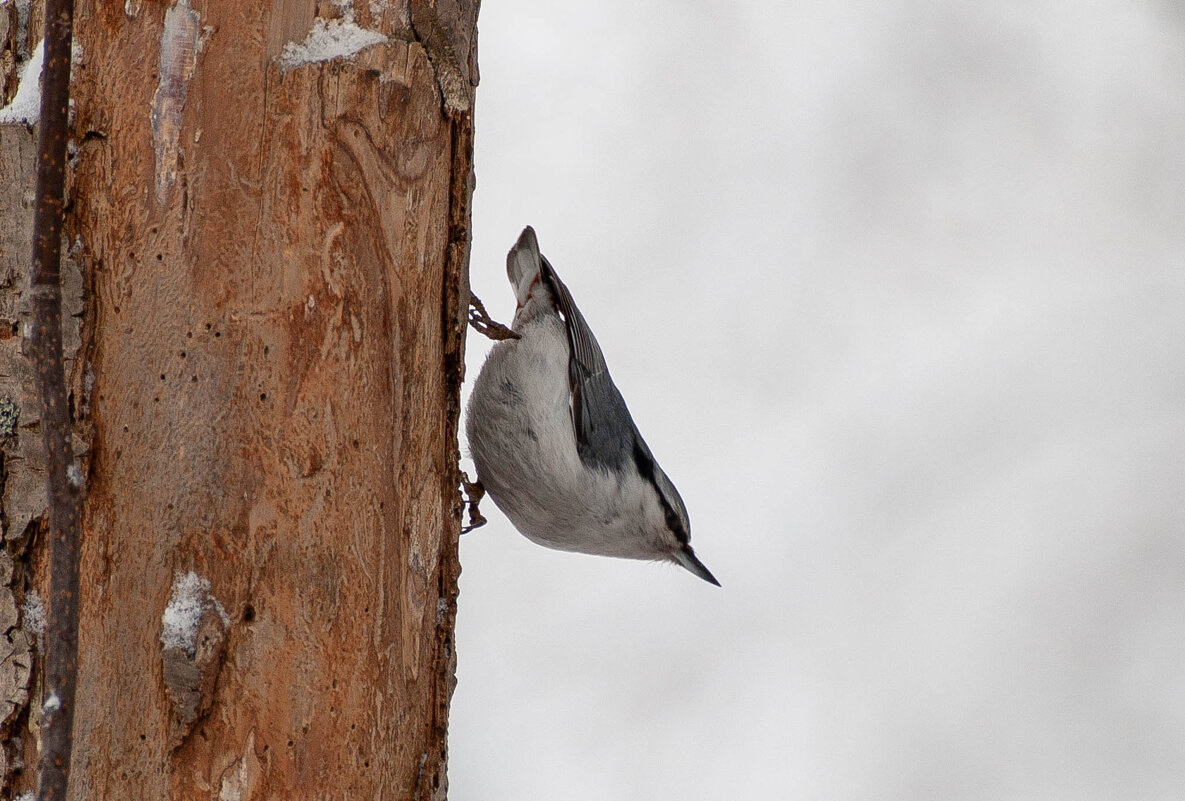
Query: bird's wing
605,432
606,435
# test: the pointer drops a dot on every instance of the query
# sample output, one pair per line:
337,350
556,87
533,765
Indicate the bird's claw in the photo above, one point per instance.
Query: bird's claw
474,492
480,319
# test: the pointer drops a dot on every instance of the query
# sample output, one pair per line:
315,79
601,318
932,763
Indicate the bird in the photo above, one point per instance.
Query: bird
553,441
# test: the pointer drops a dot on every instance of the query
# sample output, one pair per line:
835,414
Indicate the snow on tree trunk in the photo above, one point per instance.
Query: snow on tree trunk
270,206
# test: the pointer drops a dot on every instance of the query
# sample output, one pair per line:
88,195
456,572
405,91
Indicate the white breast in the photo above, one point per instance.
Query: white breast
522,440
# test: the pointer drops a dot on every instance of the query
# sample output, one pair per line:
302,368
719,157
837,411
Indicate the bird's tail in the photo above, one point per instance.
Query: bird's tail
523,264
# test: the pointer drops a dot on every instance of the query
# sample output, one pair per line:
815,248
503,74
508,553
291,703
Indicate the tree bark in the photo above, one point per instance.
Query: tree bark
275,254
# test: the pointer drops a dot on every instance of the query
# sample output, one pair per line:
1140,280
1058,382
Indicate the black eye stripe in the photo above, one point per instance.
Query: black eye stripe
646,470
673,522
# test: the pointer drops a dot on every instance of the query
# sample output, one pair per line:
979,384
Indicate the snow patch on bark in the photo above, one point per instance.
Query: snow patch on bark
329,40
25,107
179,622
33,613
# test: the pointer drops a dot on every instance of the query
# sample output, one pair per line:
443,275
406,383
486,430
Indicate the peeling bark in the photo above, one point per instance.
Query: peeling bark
277,266
22,455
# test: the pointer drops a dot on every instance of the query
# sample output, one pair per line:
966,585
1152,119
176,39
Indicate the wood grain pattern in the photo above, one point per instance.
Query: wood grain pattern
272,356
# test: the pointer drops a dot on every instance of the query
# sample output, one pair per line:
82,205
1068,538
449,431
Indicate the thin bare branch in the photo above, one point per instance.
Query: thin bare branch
64,482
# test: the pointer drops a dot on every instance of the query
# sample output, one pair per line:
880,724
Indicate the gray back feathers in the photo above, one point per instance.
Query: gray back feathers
606,436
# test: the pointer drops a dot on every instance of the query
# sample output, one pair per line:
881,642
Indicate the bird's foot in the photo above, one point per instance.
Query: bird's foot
480,319
474,492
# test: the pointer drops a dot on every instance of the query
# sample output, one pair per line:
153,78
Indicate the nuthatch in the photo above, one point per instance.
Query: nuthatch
553,441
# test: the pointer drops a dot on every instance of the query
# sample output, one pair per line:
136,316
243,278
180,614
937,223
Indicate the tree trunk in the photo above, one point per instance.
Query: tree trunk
275,251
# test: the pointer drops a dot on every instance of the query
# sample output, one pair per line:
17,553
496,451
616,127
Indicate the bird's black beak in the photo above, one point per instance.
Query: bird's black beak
687,558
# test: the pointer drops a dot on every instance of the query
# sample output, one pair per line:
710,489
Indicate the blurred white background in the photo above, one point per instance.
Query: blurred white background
896,293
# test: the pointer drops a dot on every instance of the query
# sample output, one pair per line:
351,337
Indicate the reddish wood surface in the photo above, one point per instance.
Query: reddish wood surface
277,266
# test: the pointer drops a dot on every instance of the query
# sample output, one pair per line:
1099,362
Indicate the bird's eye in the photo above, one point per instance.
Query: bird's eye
674,523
